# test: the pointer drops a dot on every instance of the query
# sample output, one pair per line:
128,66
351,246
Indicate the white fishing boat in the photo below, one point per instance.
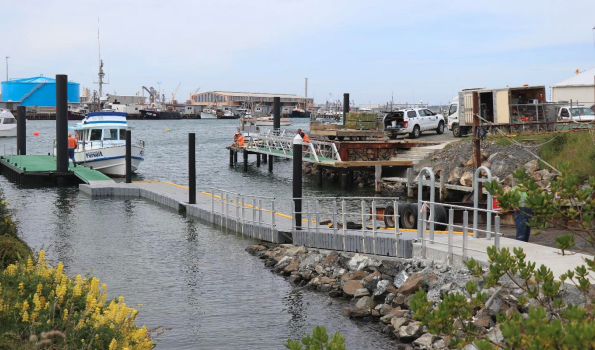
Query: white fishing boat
268,121
102,143
208,113
8,124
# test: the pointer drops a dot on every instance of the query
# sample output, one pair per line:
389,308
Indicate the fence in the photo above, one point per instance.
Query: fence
253,216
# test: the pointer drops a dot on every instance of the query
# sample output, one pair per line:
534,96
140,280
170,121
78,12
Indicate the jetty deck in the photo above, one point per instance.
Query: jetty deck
28,168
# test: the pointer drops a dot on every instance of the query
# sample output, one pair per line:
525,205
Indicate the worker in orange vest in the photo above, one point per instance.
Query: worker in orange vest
238,140
303,135
72,144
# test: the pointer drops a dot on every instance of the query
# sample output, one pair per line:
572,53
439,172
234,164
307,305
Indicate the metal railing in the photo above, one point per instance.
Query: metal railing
430,220
243,210
282,145
360,211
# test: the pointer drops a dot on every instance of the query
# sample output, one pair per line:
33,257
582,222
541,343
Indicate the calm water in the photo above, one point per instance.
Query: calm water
187,275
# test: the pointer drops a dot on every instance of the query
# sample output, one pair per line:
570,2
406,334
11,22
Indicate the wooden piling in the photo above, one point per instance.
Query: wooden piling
270,163
377,177
410,184
258,160
245,153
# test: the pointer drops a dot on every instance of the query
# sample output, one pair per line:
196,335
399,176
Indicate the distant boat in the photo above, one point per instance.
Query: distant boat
157,114
208,113
300,113
227,113
269,121
8,124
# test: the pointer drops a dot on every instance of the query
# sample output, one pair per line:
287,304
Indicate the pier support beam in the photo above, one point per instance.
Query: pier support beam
264,159
276,114
410,186
270,163
235,157
345,106
297,180
344,184
192,168
350,178
258,160
231,157
128,156
245,154
377,178
22,130
62,123
319,176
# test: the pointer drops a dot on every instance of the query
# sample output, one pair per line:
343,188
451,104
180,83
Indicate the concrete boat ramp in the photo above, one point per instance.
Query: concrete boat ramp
257,218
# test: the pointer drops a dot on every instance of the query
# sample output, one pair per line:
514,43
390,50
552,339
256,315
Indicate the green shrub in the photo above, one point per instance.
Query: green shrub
12,249
319,340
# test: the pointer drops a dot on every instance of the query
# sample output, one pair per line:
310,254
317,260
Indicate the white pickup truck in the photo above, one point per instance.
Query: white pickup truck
412,121
575,113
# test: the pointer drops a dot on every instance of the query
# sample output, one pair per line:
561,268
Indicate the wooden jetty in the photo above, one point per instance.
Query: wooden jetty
41,169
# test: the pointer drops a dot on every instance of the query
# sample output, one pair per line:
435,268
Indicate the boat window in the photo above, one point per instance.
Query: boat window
110,134
9,121
95,135
122,134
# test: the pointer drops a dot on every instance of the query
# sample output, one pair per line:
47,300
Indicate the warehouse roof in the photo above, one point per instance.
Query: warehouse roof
252,94
585,78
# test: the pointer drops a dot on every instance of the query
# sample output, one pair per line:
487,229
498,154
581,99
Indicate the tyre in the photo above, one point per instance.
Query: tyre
440,129
389,215
392,137
456,130
409,216
416,132
440,216
340,138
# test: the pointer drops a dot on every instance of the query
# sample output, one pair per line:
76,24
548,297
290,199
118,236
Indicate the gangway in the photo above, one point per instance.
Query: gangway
281,145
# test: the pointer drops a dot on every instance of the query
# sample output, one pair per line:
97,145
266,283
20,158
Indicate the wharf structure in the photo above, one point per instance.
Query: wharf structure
262,102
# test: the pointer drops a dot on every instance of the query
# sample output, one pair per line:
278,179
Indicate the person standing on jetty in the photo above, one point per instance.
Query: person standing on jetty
238,140
522,216
72,144
303,135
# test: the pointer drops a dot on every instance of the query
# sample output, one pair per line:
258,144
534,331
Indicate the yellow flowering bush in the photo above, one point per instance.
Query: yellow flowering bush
40,307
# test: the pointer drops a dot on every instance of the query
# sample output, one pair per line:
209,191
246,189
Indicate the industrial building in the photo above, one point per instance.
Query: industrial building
212,99
38,92
123,99
578,88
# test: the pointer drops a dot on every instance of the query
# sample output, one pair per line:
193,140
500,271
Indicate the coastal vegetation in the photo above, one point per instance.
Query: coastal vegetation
42,308
318,340
553,320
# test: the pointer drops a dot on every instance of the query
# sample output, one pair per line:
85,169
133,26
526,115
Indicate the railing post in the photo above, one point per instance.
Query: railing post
465,232
259,218
293,227
212,206
364,226
423,232
396,219
335,217
317,217
343,211
222,208
451,215
497,231
243,215
308,215
273,220
237,212
374,225
226,210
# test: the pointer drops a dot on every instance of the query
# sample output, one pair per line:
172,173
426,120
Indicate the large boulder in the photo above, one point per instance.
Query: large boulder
425,341
413,284
398,322
400,278
467,179
362,292
358,262
351,286
366,302
301,250
410,332
455,175
294,265
531,166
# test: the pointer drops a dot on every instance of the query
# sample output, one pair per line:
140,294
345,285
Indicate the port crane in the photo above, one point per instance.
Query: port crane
192,94
152,94
173,95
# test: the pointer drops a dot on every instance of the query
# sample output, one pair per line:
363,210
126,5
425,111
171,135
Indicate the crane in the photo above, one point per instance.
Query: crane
151,92
173,95
194,93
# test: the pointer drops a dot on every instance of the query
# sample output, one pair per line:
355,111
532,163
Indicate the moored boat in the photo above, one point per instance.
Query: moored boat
8,124
102,143
268,121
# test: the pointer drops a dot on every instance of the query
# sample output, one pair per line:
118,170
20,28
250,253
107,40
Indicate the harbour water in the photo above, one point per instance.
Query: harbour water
188,276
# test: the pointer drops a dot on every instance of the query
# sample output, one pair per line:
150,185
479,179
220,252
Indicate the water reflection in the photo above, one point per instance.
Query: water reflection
294,300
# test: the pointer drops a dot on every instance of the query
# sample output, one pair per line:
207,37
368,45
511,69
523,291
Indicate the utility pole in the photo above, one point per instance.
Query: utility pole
7,67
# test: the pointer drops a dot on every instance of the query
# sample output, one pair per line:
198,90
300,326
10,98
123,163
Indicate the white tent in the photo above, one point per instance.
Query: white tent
578,88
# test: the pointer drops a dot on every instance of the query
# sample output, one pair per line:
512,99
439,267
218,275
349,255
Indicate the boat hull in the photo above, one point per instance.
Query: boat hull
204,115
9,132
110,160
235,116
300,114
159,115
271,123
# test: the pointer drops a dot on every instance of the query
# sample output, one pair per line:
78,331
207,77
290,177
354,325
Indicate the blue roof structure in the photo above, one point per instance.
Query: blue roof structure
37,91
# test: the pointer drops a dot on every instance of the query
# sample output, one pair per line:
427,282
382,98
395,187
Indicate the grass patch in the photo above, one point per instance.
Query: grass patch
575,148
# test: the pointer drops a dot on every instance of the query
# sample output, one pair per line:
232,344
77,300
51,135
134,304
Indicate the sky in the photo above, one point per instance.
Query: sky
409,51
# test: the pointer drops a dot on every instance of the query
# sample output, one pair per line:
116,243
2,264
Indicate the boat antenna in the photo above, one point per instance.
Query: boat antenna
101,74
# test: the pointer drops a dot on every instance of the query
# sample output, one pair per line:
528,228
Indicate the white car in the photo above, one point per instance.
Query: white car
412,121
579,114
